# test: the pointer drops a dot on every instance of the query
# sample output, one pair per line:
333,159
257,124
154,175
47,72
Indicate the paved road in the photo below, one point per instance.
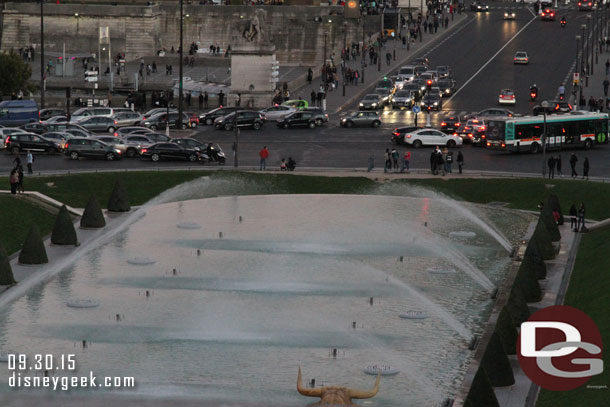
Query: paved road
480,55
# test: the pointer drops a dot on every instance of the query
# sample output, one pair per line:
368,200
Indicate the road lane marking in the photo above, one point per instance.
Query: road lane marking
490,59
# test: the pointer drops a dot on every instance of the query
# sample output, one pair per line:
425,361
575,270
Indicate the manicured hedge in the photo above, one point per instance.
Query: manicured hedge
517,306
33,250
535,260
481,392
6,271
542,239
546,216
507,332
93,217
63,231
527,281
496,364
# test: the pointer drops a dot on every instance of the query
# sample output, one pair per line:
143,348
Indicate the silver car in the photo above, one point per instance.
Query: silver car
116,142
360,119
403,98
276,112
135,144
127,118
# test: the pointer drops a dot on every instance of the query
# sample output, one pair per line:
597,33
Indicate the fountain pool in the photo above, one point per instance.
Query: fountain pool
237,292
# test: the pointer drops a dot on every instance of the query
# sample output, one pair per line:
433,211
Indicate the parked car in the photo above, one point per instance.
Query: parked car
46,114
93,111
168,151
297,119
127,118
209,117
241,118
372,101
156,110
555,106
18,142
37,128
65,126
360,118
91,148
55,119
98,124
78,133
160,120
18,112
156,137
135,143
431,137
276,112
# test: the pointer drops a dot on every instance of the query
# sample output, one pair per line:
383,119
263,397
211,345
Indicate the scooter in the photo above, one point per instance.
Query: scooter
533,95
563,23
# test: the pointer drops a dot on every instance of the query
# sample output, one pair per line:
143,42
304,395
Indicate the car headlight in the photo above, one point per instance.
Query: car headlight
435,103
374,104
343,120
361,104
116,150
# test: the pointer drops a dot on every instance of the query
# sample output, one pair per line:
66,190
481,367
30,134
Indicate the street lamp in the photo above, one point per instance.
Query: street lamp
324,73
363,61
343,53
545,105
589,45
583,57
42,70
577,102
180,85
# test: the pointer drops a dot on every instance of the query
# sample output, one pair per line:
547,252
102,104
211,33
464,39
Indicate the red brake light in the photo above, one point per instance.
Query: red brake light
579,3
408,136
488,144
570,106
396,133
443,124
144,150
116,134
590,4
66,145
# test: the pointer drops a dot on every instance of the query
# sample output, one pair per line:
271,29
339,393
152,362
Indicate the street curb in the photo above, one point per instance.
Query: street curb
410,56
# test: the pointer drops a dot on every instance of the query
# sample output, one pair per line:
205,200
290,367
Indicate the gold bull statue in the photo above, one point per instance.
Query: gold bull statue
337,396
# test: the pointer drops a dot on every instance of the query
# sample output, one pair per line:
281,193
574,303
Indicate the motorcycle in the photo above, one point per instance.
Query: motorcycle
563,23
533,94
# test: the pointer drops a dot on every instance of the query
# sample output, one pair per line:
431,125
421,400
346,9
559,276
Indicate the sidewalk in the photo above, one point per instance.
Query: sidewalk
595,88
336,102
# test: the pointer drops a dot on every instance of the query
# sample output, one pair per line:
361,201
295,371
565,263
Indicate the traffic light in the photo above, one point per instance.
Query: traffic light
429,84
352,9
275,71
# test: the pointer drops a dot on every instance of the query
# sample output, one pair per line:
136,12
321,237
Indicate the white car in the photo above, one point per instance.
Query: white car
507,97
277,112
406,73
431,137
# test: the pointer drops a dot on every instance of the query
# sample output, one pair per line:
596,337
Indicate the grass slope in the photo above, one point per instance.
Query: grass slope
588,291
16,217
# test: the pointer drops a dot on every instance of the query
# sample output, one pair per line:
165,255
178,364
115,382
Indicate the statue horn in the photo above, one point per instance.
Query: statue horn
365,394
307,392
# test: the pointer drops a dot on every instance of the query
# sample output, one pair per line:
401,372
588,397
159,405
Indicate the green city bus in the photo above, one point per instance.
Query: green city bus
524,134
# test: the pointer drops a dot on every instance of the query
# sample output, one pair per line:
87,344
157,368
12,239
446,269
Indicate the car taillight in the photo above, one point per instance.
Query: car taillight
116,134
66,146
483,136
579,3
470,135
570,106
144,150
503,145
513,96
396,133
590,4
443,124
542,14
408,136
482,128
488,144
115,122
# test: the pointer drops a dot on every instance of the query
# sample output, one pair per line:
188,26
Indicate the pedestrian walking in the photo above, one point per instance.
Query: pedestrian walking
20,188
387,157
406,158
371,163
205,99
29,159
606,83
404,42
573,215
580,224
395,158
200,101
263,154
14,181
585,169
221,99
309,76
440,162
433,162
573,161
607,66
551,164
356,76
460,161
558,165
283,165
388,57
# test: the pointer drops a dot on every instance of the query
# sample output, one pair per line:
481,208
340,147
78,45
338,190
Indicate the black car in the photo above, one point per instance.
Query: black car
319,115
159,121
555,106
209,153
46,114
298,119
28,141
398,135
432,101
168,151
447,86
450,124
88,147
33,128
209,117
241,118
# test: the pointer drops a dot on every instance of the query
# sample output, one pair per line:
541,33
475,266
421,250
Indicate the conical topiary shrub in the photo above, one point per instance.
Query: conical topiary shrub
481,392
505,328
546,216
532,255
119,200
33,251
517,306
6,271
527,280
93,217
63,229
553,203
543,240
496,364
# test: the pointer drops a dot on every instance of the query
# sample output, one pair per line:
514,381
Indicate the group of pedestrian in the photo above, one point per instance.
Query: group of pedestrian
585,166
263,154
27,53
554,163
442,161
577,217
16,174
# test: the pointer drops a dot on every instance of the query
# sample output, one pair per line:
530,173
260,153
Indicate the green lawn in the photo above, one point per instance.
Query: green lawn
588,291
525,193
16,217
